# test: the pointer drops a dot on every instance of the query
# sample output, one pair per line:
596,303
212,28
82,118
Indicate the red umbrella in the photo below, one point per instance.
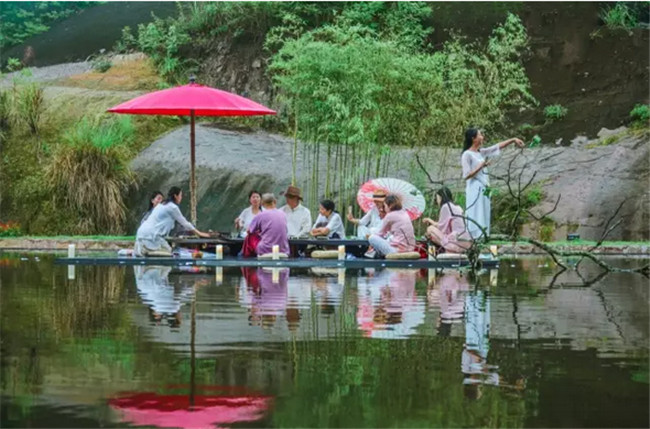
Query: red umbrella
192,100
181,411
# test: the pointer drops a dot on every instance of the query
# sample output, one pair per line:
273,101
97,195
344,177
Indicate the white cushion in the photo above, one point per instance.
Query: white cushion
270,256
325,254
158,253
403,255
454,256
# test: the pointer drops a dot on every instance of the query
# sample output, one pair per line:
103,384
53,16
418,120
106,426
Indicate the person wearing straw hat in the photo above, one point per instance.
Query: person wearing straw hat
298,216
371,221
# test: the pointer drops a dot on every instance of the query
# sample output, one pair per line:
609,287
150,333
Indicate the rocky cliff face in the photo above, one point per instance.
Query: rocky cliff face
592,177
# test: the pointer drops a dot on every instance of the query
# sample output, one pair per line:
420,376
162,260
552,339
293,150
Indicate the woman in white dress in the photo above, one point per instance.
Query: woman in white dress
474,161
246,216
151,234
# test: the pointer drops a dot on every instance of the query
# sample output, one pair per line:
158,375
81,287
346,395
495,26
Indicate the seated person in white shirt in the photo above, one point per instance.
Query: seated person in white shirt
298,216
246,217
328,223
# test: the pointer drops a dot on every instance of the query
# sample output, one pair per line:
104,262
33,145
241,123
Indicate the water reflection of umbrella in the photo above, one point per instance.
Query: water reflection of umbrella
389,306
192,100
182,411
412,199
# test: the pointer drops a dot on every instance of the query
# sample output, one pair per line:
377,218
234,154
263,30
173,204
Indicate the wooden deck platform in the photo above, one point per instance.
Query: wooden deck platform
487,262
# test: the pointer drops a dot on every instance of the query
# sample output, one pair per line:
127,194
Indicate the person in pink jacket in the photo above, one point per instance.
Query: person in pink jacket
396,232
450,231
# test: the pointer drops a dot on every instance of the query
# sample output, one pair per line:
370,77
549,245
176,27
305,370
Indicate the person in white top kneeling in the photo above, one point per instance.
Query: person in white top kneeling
328,223
298,216
150,236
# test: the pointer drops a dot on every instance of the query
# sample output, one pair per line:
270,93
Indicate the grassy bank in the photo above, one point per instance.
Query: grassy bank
64,159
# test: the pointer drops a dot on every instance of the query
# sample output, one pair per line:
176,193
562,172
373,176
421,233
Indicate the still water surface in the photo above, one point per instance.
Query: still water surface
159,347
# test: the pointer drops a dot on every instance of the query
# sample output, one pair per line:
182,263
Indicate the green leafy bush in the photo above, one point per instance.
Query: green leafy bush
555,112
505,219
640,114
14,64
20,20
621,16
10,229
101,64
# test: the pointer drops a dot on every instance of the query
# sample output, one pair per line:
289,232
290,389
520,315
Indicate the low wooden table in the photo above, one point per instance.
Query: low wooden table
234,245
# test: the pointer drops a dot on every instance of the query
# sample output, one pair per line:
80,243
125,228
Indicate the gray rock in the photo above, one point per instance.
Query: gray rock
592,182
604,132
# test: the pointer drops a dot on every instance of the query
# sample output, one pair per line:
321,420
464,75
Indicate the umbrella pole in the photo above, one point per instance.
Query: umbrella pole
192,172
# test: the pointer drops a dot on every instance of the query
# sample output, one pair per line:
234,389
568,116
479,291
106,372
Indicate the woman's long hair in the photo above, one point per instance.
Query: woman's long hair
470,134
445,196
154,194
172,194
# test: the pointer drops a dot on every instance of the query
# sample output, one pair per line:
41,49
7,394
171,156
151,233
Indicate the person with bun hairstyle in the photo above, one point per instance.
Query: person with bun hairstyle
474,160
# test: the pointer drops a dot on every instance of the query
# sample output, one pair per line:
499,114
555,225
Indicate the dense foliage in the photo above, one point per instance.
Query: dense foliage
90,174
20,20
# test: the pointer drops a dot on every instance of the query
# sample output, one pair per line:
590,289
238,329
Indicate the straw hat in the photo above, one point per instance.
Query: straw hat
379,195
293,191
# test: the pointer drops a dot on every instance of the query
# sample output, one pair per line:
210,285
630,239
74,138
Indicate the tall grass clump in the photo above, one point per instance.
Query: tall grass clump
89,174
29,104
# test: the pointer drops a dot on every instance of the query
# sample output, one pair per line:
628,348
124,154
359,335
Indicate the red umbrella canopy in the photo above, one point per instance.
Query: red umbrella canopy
175,411
182,100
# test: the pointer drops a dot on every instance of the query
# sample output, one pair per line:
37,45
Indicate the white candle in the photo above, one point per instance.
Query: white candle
71,250
276,252
219,275
341,253
219,251
432,276
430,251
341,276
493,250
71,272
275,275
494,275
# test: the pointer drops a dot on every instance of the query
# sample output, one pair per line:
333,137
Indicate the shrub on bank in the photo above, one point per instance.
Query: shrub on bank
10,229
89,174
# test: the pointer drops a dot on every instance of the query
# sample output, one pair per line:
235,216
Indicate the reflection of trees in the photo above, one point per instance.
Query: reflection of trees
367,383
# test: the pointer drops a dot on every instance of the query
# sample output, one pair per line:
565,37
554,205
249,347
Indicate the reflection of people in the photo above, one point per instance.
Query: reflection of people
475,351
151,234
155,291
449,231
328,223
396,233
156,198
265,298
474,160
388,305
298,216
450,287
243,221
371,221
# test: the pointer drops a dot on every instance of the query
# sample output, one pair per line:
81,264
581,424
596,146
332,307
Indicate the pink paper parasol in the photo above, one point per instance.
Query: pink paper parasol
412,199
